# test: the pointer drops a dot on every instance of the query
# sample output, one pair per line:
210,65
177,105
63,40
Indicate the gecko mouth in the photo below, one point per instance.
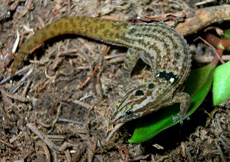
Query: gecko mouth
115,119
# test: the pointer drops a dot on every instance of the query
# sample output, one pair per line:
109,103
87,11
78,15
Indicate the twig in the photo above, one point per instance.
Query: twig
140,157
86,81
17,72
113,131
214,50
220,152
16,97
58,114
65,145
52,78
21,82
208,59
114,56
204,17
49,143
16,42
12,146
67,155
70,121
46,150
43,124
26,88
85,105
57,137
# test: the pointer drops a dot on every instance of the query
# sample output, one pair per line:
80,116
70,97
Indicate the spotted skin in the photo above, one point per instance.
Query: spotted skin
157,44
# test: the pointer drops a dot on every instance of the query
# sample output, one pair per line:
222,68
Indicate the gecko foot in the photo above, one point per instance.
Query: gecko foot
179,116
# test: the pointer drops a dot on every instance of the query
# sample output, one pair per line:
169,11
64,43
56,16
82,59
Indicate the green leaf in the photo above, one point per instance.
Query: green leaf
221,83
197,85
227,34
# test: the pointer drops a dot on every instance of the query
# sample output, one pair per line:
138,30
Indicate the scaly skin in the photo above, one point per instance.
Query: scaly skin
157,44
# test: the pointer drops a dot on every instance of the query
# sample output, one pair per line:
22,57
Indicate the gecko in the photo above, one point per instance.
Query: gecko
157,44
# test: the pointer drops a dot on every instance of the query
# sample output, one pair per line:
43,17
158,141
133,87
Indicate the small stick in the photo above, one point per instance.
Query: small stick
49,143
87,80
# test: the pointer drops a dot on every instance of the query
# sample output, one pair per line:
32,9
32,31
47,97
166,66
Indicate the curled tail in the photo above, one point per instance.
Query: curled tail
104,30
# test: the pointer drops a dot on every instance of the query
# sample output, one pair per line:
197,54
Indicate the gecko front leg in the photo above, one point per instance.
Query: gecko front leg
131,59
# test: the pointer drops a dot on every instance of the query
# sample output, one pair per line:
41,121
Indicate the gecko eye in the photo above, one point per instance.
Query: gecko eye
129,113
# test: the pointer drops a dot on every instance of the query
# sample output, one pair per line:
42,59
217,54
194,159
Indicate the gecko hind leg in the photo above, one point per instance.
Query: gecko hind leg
185,100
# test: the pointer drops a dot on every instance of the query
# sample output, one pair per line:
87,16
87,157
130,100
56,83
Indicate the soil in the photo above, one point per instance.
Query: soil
48,113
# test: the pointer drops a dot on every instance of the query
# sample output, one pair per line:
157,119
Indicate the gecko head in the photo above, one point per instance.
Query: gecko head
136,103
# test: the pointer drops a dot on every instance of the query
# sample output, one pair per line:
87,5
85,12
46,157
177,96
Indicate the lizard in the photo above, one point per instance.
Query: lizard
157,44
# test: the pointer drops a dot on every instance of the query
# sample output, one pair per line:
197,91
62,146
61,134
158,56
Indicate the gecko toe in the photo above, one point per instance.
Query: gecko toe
179,116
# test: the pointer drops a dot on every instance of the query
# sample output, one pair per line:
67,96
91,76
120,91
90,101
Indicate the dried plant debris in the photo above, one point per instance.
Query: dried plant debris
47,115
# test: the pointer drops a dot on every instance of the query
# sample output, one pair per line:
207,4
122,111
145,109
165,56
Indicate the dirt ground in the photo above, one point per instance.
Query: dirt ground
47,111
